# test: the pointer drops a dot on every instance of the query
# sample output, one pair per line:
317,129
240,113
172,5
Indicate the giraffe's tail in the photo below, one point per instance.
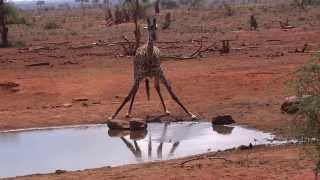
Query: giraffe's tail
148,89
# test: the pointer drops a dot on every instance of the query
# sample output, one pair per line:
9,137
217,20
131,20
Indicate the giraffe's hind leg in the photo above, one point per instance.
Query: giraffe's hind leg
174,96
132,101
129,96
157,87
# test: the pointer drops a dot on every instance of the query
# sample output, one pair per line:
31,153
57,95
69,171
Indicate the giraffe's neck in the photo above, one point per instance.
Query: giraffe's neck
150,47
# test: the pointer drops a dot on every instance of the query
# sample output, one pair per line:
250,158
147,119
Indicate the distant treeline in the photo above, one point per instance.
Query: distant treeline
32,4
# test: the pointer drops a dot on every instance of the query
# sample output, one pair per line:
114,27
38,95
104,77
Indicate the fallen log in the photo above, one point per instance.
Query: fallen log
38,64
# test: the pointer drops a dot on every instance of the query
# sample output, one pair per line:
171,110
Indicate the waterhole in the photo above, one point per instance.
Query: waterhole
33,151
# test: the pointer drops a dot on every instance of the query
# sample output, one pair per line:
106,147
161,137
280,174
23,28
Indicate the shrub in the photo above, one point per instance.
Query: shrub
253,23
124,12
169,4
302,4
306,84
193,3
306,80
19,44
51,25
167,21
229,11
14,15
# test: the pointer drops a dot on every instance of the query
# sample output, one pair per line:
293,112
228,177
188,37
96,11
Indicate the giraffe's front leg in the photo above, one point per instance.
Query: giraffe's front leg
174,96
129,96
132,100
162,140
157,87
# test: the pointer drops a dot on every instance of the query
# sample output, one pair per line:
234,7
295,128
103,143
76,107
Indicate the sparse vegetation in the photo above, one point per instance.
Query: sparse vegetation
225,47
306,81
302,4
51,25
229,11
253,23
169,4
167,21
40,4
3,25
86,57
157,6
127,10
306,84
14,15
131,47
193,3
19,44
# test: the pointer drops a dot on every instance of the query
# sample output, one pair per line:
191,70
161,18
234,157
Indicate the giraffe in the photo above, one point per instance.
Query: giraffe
146,65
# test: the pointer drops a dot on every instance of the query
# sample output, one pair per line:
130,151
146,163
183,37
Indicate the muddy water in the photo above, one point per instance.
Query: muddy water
83,147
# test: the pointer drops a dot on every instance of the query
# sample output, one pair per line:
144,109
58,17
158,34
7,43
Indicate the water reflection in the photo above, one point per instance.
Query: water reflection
134,148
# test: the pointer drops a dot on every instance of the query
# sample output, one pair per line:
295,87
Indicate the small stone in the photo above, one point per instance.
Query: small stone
67,105
45,107
291,104
244,147
96,102
223,120
80,99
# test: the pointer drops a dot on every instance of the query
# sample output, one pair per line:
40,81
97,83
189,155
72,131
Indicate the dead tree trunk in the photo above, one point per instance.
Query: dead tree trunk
167,21
253,23
157,6
130,48
225,47
3,27
137,32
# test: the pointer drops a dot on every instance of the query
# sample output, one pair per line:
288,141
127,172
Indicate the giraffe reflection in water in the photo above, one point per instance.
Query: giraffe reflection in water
131,140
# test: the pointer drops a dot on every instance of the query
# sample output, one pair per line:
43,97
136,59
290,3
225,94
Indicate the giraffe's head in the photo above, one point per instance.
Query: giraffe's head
152,28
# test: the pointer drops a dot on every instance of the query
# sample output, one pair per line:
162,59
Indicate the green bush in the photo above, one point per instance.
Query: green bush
19,44
307,78
51,25
125,11
306,84
169,4
13,14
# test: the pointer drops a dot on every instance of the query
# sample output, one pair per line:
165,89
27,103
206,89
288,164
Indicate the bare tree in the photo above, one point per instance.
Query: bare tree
82,4
40,3
167,21
95,3
137,32
3,28
133,46
253,23
157,6
107,12
303,3
193,3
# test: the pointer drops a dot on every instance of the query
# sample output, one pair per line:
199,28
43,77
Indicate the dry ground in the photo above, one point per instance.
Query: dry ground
85,82
262,163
